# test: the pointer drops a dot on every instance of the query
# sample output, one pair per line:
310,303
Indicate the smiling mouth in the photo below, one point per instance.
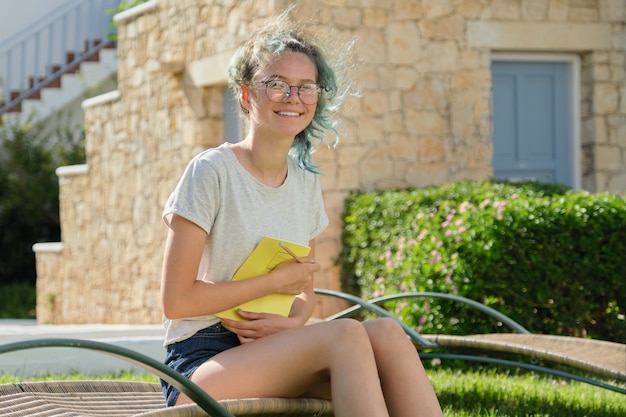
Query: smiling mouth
288,113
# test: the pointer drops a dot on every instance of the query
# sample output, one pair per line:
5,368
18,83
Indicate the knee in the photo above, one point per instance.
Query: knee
351,327
351,331
384,326
385,331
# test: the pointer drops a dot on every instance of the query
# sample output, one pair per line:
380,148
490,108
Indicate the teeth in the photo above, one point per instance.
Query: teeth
288,113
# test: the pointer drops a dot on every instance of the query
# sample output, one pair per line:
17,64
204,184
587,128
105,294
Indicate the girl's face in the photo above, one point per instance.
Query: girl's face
289,116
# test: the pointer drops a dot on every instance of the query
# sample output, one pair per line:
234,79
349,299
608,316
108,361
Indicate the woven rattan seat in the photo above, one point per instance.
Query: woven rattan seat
79,398
122,398
255,407
603,358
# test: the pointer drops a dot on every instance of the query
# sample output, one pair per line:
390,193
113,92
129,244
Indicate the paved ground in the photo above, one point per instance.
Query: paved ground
146,339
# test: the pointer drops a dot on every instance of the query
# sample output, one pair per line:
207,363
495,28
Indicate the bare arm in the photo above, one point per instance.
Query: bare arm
184,296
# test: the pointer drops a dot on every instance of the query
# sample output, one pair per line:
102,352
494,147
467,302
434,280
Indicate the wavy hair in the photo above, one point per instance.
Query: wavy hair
281,34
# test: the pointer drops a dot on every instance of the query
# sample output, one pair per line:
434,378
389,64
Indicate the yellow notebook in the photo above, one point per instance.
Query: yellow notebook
265,257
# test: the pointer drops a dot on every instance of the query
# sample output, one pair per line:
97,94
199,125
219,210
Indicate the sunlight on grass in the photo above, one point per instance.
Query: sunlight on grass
126,375
490,394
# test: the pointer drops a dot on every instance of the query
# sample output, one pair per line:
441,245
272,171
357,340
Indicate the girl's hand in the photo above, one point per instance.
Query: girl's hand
293,277
258,325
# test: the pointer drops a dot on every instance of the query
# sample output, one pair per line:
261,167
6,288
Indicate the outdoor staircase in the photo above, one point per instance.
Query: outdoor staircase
45,67
82,72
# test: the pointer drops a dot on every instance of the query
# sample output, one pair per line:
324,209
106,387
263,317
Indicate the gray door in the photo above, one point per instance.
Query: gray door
531,118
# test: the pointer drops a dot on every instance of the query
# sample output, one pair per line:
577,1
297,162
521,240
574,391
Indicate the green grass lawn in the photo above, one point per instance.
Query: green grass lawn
487,394
478,394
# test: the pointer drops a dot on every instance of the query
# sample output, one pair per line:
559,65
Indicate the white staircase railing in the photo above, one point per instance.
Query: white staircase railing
38,56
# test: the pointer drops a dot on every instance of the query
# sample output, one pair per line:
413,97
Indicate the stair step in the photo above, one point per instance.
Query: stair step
31,84
92,58
70,57
15,109
56,83
73,86
86,67
53,98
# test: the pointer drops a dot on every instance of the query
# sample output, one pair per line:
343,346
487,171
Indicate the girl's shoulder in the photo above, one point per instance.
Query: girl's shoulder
292,162
220,156
303,176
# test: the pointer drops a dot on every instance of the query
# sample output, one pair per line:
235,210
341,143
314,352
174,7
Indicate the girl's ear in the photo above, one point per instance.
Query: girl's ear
244,93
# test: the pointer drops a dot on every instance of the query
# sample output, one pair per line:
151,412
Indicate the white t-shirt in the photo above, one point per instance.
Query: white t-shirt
237,211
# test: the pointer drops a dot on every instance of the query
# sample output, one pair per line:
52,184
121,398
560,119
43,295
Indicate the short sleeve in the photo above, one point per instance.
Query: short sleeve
196,196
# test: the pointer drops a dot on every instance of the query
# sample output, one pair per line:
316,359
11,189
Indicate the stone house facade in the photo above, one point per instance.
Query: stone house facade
425,117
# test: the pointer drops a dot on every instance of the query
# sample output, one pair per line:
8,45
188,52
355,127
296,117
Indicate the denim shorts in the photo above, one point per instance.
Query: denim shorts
187,355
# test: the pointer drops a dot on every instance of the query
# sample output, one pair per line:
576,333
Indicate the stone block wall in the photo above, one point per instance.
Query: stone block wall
424,118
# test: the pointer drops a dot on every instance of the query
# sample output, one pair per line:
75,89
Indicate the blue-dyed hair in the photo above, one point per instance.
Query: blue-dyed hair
283,34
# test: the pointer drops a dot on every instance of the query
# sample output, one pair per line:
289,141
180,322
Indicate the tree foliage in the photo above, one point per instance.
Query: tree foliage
29,190
124,5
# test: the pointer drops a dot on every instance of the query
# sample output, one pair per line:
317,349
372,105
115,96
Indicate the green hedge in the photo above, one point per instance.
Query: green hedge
29,188
550,258
18,301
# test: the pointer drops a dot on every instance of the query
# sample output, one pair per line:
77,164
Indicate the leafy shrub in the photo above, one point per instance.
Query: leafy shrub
124,5
548,257
17,301
29,191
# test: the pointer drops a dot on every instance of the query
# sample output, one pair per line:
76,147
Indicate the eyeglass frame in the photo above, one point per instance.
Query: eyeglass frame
287,92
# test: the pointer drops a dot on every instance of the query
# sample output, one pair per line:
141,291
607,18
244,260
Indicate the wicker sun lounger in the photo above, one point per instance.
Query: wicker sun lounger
591,361
120,398
123,398
607,360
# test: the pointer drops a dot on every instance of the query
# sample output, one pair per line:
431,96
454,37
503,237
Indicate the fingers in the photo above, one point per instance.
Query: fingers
308,264
244,340
250,315
308,261
249,327
315,266
257,325
293,277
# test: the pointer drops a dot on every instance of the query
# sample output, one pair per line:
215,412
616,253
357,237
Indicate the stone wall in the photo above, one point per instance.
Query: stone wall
424,118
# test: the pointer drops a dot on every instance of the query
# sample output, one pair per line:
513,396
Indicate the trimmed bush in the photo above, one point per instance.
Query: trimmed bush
17,301
29,190
548,257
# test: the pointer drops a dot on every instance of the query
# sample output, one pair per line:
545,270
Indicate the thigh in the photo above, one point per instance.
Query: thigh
288,364
188,355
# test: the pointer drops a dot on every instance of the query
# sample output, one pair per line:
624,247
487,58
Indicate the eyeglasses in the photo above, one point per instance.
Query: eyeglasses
277,91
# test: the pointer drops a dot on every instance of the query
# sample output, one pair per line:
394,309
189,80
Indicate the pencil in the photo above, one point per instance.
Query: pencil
293,255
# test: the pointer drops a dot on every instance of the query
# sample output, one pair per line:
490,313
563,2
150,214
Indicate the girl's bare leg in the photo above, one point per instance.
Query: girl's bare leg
292,362
405,385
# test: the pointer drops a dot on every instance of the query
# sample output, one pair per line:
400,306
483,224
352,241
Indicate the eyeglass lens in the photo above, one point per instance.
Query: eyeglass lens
278,90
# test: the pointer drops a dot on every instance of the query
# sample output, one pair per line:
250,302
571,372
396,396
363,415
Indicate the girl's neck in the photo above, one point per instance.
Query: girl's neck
265,160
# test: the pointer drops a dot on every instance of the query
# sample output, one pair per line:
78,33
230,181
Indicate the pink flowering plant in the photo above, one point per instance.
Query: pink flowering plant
546,256
430,248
